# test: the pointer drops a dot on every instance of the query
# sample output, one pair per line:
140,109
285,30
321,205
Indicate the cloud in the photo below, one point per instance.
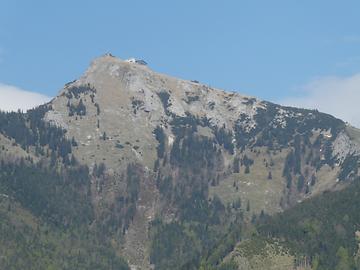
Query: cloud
339,96
13,98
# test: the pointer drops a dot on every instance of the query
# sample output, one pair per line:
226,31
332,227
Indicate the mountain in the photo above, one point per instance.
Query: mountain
166,174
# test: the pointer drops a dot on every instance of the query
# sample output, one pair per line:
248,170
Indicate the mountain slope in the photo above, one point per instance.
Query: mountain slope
176,166
320,233
45,203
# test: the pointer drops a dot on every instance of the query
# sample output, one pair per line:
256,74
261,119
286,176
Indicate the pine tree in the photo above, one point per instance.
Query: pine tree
236,165
248,206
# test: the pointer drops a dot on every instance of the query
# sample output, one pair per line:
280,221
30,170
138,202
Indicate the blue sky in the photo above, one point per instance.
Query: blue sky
270,49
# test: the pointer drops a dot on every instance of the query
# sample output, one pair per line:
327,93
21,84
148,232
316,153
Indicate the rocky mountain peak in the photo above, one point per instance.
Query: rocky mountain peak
115,96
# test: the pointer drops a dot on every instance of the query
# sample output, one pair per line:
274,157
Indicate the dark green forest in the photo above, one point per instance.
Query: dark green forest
322,228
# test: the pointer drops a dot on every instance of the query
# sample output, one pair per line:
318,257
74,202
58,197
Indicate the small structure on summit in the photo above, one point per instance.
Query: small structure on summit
109,54
136,61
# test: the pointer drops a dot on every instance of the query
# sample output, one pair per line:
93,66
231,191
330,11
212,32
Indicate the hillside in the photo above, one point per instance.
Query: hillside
164,172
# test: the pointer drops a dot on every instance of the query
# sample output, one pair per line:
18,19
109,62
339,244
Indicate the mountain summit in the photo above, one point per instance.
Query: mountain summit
174,165
124,98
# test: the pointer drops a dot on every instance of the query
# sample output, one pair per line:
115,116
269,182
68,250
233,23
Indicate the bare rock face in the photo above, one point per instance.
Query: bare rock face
179,136
344,146
127,101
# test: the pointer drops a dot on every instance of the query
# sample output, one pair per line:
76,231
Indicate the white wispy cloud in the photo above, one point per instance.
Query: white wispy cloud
13,98
339,96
